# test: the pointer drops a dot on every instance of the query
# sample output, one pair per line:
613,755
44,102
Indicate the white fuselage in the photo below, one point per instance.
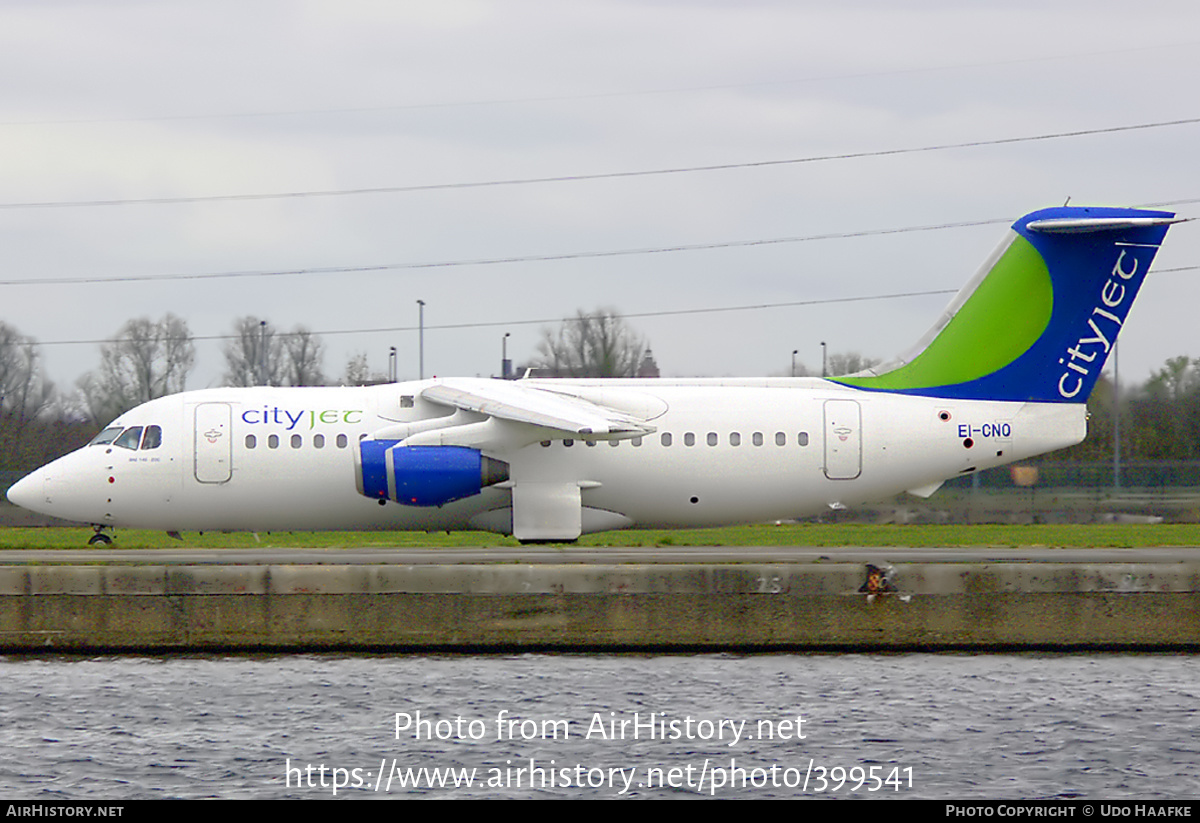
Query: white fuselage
720,452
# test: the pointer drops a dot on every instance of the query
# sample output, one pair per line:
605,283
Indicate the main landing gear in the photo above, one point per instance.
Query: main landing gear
100,538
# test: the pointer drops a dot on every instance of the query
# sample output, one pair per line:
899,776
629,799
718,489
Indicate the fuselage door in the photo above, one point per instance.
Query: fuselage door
843,439
214,443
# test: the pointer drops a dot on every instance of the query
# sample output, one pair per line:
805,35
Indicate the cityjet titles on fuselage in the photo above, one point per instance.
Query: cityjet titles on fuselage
1112,295
275,416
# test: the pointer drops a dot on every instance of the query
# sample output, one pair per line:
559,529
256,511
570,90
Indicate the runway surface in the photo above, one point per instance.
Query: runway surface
640,555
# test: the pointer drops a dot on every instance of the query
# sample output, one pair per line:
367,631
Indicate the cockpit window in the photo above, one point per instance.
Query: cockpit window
107,436
129,438
153,438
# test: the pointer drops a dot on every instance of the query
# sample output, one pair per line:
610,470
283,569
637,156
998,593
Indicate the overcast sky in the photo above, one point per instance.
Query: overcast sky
117,100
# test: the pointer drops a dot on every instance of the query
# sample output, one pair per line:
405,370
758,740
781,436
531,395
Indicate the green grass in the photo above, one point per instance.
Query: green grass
853,534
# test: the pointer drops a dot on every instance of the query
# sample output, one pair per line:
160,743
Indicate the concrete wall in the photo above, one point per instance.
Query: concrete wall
471,607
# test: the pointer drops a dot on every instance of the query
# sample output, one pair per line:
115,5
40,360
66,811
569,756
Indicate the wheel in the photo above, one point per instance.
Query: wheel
99,539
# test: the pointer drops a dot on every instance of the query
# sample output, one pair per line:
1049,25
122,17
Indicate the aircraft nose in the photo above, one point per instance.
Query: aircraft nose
27,491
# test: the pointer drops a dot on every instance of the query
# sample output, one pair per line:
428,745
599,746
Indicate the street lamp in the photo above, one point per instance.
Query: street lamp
421,335
505,364
794,353
1116,417
262,352
392,363
824,368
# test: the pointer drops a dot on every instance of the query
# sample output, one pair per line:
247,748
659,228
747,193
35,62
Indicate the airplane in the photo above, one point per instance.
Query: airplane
1003,375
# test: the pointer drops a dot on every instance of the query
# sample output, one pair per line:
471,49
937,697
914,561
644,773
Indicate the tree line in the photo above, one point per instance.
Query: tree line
146,359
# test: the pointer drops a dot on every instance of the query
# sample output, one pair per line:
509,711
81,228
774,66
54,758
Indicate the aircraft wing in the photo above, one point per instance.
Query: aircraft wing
511,401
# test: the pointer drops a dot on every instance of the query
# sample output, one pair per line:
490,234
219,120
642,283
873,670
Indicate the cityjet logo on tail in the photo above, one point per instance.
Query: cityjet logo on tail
1080,361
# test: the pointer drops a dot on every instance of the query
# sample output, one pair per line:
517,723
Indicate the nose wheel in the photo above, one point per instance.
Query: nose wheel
100,538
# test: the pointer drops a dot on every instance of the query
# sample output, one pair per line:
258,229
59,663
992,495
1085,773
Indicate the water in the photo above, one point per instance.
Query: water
928,726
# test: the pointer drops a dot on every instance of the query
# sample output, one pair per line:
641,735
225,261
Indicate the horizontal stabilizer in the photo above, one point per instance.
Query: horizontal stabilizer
1085,225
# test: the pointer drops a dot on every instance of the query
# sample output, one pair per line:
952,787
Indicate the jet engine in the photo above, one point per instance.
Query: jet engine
423,475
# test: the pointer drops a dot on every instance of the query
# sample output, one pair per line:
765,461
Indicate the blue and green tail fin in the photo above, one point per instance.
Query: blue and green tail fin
1038,320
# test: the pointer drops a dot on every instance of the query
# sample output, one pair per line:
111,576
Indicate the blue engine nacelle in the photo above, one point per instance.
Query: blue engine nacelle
423,475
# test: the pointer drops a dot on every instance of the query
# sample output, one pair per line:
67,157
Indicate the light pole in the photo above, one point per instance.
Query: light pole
794,353
421,335
392,363
505,365
262,352
1116,418
824,368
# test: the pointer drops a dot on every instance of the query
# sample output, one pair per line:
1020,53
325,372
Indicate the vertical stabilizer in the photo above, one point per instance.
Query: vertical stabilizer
1038,321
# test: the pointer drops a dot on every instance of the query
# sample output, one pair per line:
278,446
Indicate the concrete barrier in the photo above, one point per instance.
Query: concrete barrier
618,606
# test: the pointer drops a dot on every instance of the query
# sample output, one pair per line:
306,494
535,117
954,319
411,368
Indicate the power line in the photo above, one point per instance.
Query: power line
543,321
489,261
531,258
571,178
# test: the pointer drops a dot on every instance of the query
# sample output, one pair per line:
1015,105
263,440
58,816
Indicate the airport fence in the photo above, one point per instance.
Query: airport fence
1049,491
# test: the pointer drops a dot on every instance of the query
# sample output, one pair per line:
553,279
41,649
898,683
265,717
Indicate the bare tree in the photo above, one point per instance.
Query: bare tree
258,356
145,360
25,396
848,363
595,344
304,355
24,391
254,356
358,372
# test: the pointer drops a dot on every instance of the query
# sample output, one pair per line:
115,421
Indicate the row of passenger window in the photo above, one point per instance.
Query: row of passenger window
341,441
297,441
712,439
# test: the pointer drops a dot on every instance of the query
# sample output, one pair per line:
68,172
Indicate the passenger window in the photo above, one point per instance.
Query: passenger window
568,443
689,439
273,441
614,443
545,444
251,441
780,439
341,441
153,438
318,441
297,441
666,438
107,436
590,443
802,438
712,438
130,438
637,441
757,439
735,438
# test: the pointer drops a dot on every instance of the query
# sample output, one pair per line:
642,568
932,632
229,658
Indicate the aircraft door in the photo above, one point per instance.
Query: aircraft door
843,439
214,443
